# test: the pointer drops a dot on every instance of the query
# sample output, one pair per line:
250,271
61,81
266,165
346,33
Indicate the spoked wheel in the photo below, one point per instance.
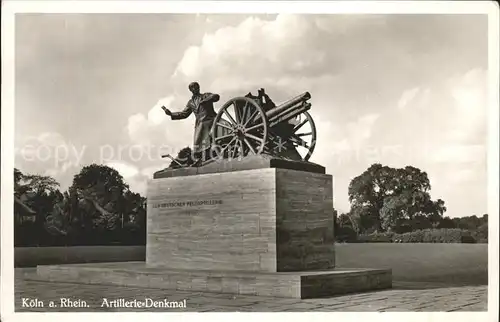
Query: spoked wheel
304,135
240,128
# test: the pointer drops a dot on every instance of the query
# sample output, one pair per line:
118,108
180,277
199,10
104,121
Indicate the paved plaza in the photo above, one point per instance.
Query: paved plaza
403,297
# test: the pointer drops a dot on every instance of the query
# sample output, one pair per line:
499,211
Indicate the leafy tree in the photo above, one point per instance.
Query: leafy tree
344,220
41,193
135,206
27,186
34,195
107,204
58,222
97,208
482,232
18,175
386,198
21,209
41,184
446,222
477,225
100,178
468,222
101,188
346,228
352,219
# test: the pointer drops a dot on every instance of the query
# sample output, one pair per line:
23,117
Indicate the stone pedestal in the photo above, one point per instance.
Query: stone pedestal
258,226
269,220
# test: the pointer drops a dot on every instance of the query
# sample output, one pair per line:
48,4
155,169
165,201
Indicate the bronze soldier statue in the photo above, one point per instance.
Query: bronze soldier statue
201,105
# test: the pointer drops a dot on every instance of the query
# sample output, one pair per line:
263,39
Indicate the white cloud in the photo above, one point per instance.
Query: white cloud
469,95
135,177
338,144
48,153
464,175
141,128
155,130
256,47
125,169
457,154
138,182
361,130
56,172
452,114
156,115
51,139
407,97
149,171
136,126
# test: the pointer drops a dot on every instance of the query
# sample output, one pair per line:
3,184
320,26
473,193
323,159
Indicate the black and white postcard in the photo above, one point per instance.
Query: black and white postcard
171,157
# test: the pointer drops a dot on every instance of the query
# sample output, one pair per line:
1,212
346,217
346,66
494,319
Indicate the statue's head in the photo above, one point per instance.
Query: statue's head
194,87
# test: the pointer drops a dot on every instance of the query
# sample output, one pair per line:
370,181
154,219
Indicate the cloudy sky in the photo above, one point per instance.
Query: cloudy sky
394,89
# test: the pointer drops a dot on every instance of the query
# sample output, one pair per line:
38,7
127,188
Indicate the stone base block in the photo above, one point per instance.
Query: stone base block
267,219
304,284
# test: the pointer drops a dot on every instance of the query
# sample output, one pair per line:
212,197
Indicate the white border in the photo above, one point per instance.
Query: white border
492,159
9,8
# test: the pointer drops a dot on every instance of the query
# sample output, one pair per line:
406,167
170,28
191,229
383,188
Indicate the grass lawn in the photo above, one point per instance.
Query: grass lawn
447,264
413,265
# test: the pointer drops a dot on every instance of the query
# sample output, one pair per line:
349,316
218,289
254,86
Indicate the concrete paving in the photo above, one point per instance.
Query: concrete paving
404,297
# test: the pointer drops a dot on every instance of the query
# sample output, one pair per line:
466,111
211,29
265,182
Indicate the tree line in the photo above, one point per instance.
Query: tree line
397,200
98,208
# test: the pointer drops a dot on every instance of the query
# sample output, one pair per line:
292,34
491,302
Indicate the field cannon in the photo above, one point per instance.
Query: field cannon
254,125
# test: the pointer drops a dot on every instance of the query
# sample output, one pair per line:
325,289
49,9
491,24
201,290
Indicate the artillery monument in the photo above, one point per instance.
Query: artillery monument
248,215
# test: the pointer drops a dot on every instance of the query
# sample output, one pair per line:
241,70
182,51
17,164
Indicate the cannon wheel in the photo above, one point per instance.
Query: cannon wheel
305,140
240,128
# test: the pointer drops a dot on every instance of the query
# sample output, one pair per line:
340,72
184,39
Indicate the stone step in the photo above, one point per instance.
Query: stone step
300,284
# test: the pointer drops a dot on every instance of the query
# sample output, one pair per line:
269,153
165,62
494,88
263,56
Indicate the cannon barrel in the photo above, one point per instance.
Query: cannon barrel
283,107
295,110
288,115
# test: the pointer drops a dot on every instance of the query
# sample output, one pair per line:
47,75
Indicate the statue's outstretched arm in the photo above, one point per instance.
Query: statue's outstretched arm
182,114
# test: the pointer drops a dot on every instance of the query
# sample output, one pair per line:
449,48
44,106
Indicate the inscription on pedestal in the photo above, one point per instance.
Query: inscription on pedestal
176,204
